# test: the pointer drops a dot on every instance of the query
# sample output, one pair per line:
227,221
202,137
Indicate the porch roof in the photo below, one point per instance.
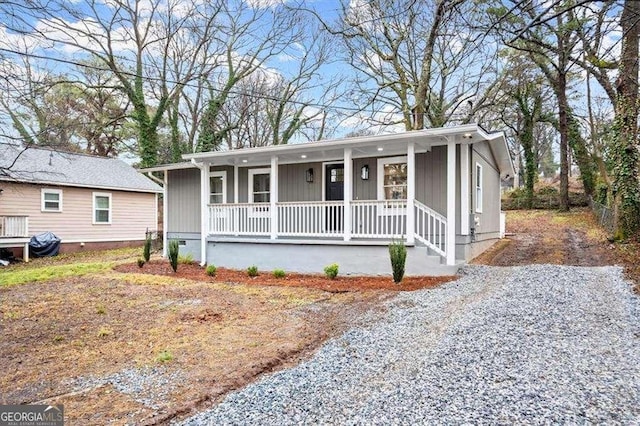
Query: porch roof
362,146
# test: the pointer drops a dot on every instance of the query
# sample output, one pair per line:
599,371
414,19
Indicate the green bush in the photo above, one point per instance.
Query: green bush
252,271
141,263
211,270
398,256
331,271
146,252
187,259
173,250
279,273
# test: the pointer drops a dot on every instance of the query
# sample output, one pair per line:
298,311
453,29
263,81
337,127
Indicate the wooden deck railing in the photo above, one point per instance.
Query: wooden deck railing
14,226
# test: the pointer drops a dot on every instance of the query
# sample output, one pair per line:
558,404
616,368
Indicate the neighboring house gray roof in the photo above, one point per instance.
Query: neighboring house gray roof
46,166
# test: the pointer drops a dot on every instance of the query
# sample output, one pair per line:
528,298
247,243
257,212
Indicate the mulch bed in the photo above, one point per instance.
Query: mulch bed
337,285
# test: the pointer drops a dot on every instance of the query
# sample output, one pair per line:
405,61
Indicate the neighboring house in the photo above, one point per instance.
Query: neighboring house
301,207
87,201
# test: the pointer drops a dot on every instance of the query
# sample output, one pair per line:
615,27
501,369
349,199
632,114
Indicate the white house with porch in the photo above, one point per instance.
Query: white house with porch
303,206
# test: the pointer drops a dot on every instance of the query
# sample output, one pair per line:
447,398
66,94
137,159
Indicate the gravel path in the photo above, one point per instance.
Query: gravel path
532,344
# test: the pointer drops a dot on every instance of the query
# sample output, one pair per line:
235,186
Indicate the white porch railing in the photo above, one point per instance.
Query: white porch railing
431,228
383,219
14,226
370,219
311,219
239,219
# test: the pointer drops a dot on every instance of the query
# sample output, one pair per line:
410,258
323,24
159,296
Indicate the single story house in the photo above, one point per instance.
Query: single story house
303,206
87,201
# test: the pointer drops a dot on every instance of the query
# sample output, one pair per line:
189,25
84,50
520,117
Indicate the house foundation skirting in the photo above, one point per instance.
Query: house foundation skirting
312,258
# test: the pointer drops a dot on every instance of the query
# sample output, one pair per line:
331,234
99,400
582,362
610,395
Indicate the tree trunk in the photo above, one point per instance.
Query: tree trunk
563,129
625,150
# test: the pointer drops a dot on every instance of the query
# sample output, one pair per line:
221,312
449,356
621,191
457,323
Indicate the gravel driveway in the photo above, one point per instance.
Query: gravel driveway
530,344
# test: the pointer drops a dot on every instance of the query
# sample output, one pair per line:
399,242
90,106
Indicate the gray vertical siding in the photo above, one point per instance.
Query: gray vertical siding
490,216
183,195
229,170
431,178
365,189
293,185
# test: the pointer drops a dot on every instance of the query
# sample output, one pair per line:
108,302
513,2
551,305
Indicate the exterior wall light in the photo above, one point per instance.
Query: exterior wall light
364,172
309,175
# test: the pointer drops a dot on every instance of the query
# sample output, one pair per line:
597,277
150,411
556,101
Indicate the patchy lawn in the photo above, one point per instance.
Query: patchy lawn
135,348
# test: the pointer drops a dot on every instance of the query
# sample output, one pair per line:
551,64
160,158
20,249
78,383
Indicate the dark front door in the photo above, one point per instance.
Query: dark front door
334,187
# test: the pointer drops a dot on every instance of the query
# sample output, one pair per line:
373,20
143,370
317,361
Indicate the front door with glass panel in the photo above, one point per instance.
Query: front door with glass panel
334,191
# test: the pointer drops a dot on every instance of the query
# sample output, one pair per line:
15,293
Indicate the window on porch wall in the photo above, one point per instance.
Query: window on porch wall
394,178
217,186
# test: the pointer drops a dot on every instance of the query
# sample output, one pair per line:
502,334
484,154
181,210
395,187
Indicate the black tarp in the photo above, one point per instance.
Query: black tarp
44,245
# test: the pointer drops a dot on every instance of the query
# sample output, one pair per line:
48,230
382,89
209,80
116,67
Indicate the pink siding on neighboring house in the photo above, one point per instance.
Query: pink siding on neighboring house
132,212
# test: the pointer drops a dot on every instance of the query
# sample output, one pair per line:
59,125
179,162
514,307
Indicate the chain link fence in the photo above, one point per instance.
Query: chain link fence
603,213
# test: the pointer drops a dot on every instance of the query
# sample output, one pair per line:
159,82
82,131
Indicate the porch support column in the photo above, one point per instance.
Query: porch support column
236,197
165,213
464,189
411,192
204,211
450,241
273,191
348,194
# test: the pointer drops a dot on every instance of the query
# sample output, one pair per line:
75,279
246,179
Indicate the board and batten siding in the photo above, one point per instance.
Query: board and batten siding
132,213
490,216
183,198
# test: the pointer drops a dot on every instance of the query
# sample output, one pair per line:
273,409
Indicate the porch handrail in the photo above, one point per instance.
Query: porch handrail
431,228
379,219
14,226
310,218
239,219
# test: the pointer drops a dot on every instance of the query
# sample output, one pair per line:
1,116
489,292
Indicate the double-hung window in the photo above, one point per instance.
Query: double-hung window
102,208
218,187
260,189
478,179
51,200
392,184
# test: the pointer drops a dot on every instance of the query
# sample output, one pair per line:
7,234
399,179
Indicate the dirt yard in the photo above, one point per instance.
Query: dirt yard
573,238
145,346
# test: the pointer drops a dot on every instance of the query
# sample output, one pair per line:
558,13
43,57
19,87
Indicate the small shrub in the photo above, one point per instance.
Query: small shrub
331,271
398,256
279,273
104,332
187,259
173,250
164,356
141,263
211,270
252,271
146,252
100,309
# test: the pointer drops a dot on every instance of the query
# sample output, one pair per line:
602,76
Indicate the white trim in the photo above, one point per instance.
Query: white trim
42,200
411,192
324,176
402,159
236,184
110,210
450,246
479,187
252,172
347,183
221,174
76,185
204,210
165,214
99,240
465,194
273,196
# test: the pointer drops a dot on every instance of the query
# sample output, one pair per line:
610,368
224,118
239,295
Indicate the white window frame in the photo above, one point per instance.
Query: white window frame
42,200
222,174
385,210
479,178
93,212
258,211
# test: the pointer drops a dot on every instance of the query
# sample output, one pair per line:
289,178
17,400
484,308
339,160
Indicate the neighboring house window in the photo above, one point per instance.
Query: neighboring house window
478,188
101,208
392,178
218,187
51,200
259,185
